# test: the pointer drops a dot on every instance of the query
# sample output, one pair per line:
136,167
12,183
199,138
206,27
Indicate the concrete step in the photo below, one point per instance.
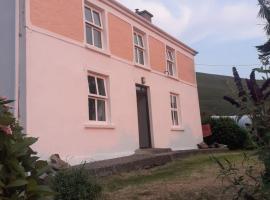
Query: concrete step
153,151
141,161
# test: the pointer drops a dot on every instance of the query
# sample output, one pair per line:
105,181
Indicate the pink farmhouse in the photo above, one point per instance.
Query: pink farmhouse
94,80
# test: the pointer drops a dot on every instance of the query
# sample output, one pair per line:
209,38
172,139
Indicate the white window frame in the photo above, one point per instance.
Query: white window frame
138,47
171,61
97,97
177,110
94,26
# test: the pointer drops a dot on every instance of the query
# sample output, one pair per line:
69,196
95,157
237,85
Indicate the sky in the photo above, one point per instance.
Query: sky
224,32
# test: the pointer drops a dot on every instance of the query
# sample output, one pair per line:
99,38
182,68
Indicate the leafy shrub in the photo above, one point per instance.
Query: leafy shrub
20,169
226,131
75,184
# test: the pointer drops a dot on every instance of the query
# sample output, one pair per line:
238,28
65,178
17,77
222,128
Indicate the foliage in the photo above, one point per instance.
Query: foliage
264,13
244,181
75,184
20,168
226,131
254,100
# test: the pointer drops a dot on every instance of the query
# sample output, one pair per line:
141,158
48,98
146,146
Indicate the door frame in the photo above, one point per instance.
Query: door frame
149,109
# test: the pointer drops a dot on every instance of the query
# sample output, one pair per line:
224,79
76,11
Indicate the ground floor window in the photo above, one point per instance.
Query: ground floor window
175,109
97,98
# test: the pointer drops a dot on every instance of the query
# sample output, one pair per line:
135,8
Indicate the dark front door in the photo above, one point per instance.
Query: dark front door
143,117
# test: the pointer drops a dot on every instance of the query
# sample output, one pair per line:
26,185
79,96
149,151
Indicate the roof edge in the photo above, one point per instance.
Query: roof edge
121,8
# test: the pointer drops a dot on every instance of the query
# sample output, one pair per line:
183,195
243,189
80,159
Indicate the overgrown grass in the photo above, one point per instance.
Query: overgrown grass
177,170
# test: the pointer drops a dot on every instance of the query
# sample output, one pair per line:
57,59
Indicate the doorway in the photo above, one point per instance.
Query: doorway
143,117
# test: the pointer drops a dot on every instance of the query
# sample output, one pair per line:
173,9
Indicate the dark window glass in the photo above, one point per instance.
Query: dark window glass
96,17
89,35
172,117
92,85
170,55
135,39
101,87
136,55
92,109
170,68
101,110
175,102
97,38
176,118
171,101
140,41
141,57
88,14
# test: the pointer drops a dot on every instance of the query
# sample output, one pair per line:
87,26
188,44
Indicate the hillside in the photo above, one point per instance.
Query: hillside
211,89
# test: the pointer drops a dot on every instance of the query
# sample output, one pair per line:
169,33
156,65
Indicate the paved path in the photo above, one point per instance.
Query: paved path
141,161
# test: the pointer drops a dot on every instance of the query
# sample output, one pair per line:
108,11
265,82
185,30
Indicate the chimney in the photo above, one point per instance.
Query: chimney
145,14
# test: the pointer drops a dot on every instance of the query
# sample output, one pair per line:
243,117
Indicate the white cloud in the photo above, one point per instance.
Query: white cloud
193,21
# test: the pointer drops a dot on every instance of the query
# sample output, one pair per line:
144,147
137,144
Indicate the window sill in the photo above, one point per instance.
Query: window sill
97,50
173,77
177,128
142,67
90,125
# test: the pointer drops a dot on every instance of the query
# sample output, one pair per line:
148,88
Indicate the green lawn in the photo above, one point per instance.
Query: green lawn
211,89
190,178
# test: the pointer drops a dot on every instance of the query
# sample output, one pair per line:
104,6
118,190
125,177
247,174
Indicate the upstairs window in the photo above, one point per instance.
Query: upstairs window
97,98
174,109
93,27
139,48
170,62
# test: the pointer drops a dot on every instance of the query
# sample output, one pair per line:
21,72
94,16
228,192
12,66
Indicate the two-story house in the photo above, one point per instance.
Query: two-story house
94,80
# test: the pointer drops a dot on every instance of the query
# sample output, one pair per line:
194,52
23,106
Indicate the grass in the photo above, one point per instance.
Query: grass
211,89
176,180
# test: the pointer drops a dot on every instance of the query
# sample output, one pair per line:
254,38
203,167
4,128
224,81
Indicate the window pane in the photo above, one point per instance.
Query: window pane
167,52
88,14
135,39
172,115
89,36
176,123
174,102
101,87
101,110
171,101
141,57
92,85
97,38
97,20
170,68
92,109
140,41
170,55
136,55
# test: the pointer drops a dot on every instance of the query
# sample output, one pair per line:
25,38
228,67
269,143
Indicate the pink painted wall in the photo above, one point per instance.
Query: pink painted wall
157,54
59,17
57,95
120,37
186,68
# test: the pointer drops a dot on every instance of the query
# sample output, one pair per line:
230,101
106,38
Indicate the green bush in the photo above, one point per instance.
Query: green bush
75,184
226,131
20,168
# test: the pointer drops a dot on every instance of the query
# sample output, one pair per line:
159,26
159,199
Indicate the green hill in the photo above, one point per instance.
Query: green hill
211,90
